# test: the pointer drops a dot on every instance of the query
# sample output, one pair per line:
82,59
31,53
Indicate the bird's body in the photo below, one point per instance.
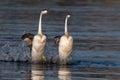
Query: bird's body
65,45
65,48
38,47
39,42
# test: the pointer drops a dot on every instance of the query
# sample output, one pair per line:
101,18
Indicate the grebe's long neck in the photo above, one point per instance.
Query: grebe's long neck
40,24
66,28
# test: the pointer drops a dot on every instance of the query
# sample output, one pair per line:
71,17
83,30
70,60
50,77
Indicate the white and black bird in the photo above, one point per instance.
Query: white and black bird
65,43
39,42
36,43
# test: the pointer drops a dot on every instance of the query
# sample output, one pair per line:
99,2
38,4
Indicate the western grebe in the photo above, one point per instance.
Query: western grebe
65,44
39,42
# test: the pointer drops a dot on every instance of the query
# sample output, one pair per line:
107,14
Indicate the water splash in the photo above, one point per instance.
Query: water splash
10,52
20,52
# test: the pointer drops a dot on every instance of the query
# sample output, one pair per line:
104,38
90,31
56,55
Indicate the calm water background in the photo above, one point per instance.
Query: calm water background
94,25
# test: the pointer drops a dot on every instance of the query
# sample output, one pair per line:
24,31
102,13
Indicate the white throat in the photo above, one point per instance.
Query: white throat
40,24
40,21
66,28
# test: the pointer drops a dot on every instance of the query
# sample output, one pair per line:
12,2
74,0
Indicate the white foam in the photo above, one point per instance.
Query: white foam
10,52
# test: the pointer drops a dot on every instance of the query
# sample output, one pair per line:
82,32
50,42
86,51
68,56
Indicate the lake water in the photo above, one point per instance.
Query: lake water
94,25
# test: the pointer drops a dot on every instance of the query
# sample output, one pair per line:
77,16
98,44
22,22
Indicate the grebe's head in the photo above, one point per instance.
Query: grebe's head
68,15
45,11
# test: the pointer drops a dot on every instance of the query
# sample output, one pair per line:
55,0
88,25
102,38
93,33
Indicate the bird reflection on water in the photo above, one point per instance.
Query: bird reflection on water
37,72
64,73
26,71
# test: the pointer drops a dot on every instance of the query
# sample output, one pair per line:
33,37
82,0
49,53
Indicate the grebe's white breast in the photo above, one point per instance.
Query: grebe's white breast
39,43
65,46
